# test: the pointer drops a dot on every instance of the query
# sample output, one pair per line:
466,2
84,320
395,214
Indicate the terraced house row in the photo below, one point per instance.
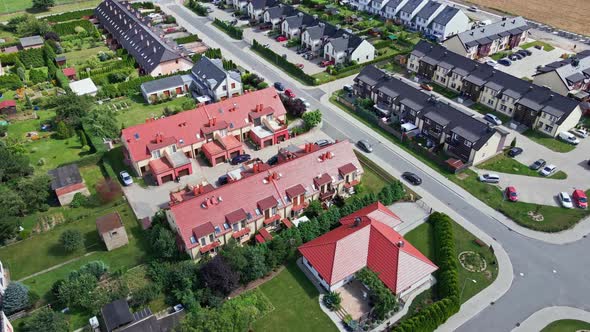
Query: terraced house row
264,199
528,104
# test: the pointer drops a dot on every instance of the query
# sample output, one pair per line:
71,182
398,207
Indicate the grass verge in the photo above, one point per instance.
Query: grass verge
549,142
504,164
546,47
566,325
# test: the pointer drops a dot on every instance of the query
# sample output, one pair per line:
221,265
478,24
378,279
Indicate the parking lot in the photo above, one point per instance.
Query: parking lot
527,66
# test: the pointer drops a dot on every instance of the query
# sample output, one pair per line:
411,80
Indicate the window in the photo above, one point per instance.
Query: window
236,227
490,102
193,240
156,154
467,143
548,128
211,238
503,107
224,87
233,85
203,241
217,230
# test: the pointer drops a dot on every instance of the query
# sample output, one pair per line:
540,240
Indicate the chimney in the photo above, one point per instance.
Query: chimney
357,221
400,244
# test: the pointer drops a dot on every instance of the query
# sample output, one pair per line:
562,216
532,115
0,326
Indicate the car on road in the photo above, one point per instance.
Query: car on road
326,63
548,170
289,93
240,159
347,88
489,178
281,39
565,200
305,102
178,308
492,63
412,178
569,138
580,199
505,62
322,143
126,178
273,160
426,86
493,119
279,86
511,194
365,146
580,132
515,151
538,164
473,9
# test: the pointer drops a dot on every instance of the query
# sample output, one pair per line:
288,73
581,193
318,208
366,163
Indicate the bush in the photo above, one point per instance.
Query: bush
287,66
69,15
187,39
10,82
37,76
79,200
32,58
45,319
232,31
69,28
312,118
71,240
383,299
16,298
332,300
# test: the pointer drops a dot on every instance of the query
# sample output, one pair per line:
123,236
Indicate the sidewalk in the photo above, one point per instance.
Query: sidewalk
545,316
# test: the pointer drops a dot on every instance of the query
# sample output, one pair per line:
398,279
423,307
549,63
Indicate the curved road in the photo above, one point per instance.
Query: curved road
544,274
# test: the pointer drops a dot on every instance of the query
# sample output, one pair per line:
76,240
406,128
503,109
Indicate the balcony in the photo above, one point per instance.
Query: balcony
327,195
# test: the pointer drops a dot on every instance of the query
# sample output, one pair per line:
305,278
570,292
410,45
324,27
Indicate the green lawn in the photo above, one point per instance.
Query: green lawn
550,142
139,111
500,55
295,300
555,218
482,109
546,47
447,93
12,8
505,164
76,58
566,325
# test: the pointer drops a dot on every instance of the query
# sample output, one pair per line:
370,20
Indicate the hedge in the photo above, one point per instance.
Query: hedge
383,299
69,28
8,59
10,82
187,39
230,30
381,44
69,15
32,58
287,66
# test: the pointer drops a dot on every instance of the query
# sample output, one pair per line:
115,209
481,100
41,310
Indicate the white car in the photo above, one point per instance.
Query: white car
489,178
582,133
492,63
126,178
569,138
565,200
305,102
493,119
548,170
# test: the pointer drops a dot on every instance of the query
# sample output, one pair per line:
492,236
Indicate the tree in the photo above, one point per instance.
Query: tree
162,242
71,108
218,276
295,107
34,191
45,320
95,268
63,131
71,240
332,300
77,290
8,229
102,124
43,4
16,298
257,266
312,118
513,143
29,25
11,202
313,209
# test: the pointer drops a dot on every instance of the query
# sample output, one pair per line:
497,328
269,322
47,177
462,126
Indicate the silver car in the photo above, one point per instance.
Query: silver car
126,178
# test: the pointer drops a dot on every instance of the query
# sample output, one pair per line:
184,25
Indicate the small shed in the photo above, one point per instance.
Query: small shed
70,73
66,181
84,87
60,60
112,231
31,42
8,107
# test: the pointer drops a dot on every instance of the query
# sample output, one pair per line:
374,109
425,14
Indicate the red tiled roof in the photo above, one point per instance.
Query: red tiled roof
237,215
347,169
295,191
203,230
265,234
209,247
158,166
158,144
376,211
272,219
241,233
351,184
108,222
259,238
7,103
69,71
186,125
212,148
267,203
287,222
322,180
348,248
247,192
296,208
230,142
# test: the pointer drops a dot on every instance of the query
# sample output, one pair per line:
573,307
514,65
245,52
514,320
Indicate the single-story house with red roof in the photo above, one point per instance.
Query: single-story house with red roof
70,73
8,107
66,181
366,239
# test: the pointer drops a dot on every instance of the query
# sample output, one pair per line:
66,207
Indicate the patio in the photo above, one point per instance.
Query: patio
355,299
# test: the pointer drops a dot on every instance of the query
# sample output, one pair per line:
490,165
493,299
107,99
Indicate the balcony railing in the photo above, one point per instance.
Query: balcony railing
328,194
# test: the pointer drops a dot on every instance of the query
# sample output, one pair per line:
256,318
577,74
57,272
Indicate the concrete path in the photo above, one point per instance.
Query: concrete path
545,316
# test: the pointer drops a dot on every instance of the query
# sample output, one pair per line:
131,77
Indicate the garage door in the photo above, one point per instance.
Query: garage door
183,172
219,160
167,178
234,154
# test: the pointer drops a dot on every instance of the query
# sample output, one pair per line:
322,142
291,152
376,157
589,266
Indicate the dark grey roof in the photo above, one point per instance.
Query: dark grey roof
301,19
65,176
132,32
446,15
393,3
411,5
31,41
345,42
209,71
483,35
322,30
60,57
279,11
422,48
575,77
370,75
162,84
116,314
428,10
261,4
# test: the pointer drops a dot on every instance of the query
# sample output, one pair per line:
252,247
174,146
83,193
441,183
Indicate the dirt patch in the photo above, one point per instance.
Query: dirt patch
535,216
472,261
572,14
48,222
462,176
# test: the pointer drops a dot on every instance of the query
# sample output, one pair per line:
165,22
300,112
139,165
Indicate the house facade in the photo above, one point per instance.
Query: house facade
367,239
264,199
112,231
450,21
275,15
458,133
567,77
348,48
125,27
256,8
166,88
165,147
536,107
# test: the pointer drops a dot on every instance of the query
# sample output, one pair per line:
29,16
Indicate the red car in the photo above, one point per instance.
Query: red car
289,93
511,194
281,39
580,199
299,65
326,63
426,87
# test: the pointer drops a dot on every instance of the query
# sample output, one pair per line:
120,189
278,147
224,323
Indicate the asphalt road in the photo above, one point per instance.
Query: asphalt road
545,274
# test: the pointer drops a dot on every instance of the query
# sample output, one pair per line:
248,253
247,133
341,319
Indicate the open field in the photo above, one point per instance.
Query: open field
12,8
573,14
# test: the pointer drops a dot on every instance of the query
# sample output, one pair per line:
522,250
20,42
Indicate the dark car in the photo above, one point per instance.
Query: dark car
538,164
224,179
527,52
505,62
365,146
514,57
412,178
322,143
523,53
273,160
265,26
279,86
513,152
240,159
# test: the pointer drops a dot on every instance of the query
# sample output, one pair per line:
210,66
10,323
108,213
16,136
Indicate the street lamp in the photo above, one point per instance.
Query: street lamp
463,288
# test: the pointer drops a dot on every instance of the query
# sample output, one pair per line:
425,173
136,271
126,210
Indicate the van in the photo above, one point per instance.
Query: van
580,199
569,138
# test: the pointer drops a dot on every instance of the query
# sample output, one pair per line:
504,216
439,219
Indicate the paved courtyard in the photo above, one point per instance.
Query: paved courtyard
355,299
527,66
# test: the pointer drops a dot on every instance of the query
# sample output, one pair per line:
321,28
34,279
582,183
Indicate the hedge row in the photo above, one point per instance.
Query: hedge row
110,67
69,28
382,44
32,58
362,65
383,299
8,59
187,39
69,15
287,66
232,31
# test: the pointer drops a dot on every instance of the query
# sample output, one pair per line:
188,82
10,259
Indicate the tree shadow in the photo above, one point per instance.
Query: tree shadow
33,10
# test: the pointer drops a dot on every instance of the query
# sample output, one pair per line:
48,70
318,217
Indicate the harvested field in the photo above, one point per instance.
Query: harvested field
571,15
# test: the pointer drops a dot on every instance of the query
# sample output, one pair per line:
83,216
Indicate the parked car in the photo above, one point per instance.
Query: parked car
289,93
299,65
511,194
178,308
301,51
265,26
493,119
569,138
426,86
515,151
322,142
365,146
489,178
522,53
326,63
518,56
412,178
580,132
538,164
281,39
347,88
527,52
505,62
279,86
305,102
473,9
126,178
565,200
580,199
224,179
492,63
273,160
240,159
548,170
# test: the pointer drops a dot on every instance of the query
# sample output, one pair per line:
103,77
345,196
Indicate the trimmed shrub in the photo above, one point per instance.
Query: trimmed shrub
230,30
287,66
383,299
69,28
32,58
69,15
187,39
